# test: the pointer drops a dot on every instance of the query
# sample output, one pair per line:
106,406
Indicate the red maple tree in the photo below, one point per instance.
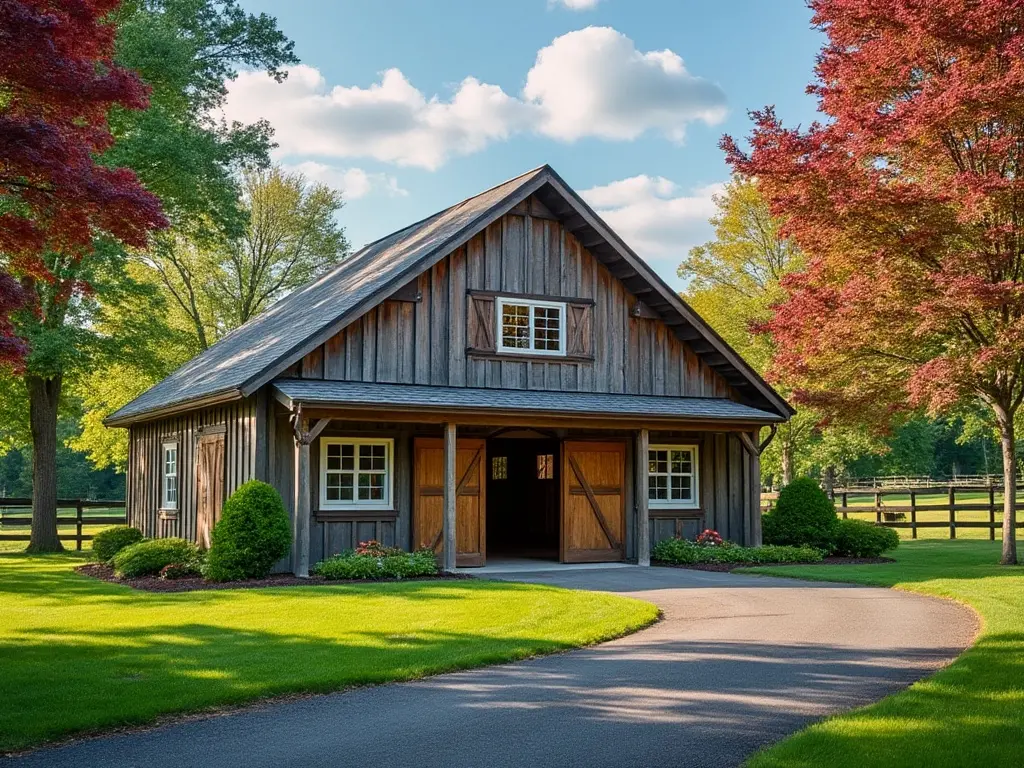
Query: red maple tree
909,199
58,81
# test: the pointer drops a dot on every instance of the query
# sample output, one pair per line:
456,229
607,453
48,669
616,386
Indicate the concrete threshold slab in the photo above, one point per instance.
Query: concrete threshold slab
505,567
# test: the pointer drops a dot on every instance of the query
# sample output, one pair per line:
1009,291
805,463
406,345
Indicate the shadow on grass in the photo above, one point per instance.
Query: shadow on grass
972,713
675,698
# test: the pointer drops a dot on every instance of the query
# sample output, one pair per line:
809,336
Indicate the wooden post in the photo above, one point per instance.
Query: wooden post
756,538
78,525
643,529
450,449
913,514
878,508
952,512
300,555
991,512
846,502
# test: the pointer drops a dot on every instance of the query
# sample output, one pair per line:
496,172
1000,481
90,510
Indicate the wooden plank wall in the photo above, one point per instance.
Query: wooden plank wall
144,463
424,342
725,490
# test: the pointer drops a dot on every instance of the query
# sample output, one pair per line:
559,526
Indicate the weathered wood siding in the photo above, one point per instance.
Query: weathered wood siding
425,342
725,490
146,439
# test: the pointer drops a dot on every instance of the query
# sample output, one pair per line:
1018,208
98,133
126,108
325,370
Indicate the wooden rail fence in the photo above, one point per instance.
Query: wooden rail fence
895,515
17,513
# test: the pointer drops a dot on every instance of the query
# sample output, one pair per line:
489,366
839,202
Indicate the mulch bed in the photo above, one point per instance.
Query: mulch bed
723,567
156,584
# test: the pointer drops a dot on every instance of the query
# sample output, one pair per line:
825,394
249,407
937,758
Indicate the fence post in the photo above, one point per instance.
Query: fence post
952,512
845,504
78,525
878,508
913,514
991,511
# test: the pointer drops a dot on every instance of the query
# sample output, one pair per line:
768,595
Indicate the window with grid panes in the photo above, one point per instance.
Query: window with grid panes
169,499
355,473
672,476
531,327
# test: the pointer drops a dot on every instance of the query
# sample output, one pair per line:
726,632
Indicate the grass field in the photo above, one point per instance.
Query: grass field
925,515
80,655
66,524
969,714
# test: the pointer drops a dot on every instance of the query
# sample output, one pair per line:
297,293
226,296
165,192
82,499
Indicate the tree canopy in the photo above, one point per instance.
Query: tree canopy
908,201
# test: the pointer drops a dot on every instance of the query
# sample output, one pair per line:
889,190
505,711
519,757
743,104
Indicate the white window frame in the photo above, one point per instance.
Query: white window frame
165,502
694,503
354,503
531,304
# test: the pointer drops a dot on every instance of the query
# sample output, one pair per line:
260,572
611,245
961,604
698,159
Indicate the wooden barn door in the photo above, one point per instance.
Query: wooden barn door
593,502
470,498
209,485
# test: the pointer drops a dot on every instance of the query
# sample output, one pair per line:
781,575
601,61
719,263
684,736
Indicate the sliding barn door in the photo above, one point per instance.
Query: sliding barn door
470,498
593,502
209,485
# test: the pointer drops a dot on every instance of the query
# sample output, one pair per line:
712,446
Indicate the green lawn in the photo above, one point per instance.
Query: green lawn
969,714
81,655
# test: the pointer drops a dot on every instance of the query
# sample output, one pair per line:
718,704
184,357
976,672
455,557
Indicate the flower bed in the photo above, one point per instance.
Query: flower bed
371,561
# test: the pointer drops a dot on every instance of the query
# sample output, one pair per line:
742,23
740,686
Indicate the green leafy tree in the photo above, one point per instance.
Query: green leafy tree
733,282
292,236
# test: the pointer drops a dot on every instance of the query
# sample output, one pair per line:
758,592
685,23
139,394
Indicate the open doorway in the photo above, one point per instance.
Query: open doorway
522,496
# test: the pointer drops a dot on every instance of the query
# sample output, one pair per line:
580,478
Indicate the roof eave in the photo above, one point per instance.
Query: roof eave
173,409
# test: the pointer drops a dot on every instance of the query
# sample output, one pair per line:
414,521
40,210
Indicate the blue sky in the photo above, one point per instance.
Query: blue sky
411,105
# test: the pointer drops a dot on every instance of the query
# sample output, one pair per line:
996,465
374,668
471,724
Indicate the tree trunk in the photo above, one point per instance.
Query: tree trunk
829,481
787,462
43,397
1006,439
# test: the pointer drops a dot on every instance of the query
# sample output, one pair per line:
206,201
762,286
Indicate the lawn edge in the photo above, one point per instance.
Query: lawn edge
979,630
170,719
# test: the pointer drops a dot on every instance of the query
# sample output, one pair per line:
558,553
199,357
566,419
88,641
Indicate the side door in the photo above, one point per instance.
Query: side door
209,485
593,501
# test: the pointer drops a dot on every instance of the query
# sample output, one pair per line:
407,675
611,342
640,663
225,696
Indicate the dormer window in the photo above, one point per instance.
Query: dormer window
531,327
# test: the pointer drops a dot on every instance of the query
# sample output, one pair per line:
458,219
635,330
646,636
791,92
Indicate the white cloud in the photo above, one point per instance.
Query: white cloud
576,5
656,217
352,182
592,82
390,121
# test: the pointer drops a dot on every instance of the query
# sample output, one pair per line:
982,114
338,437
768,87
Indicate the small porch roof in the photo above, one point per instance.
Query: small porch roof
435,400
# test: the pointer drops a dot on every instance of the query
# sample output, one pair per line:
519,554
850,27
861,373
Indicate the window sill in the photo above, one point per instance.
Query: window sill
656,512
350,515
168,514
516,357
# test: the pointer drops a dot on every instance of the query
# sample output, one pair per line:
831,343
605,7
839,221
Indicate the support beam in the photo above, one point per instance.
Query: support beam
450,489
755,493
643,528
300,546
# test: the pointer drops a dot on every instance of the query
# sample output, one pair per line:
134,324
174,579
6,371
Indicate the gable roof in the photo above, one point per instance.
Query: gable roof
261,349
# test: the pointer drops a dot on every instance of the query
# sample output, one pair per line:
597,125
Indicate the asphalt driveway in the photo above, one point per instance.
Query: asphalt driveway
737,663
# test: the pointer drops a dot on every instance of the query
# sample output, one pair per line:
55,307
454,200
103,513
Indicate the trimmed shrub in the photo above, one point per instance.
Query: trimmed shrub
108,543
803,515
859,538
148,558
685,552
404,565
252,535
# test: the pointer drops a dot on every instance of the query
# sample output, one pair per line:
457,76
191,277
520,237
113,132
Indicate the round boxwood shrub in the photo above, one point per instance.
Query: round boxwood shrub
252,535
804,515
858,538
148,558
109,542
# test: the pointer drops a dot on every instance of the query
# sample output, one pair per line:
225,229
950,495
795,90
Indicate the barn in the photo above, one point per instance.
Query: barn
505,378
